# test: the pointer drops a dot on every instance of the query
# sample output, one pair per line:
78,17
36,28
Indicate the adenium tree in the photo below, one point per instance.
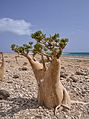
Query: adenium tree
51,92
1,66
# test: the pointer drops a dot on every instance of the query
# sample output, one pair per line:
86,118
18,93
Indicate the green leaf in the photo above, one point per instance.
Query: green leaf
63,43
56,36
21,49
49,53
47,39
13,46
31,43
38,36
38,46
45,49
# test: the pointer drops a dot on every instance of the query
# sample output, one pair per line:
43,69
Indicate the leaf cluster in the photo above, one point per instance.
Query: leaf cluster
22,49
51,46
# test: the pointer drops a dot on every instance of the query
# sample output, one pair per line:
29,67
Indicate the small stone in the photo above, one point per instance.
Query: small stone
7,70
9,81
23,69
62,67
15,76
83,95
67,117
4,94
80,73
32,117
86,77
64,75
40,107
69,79
87,80
38,117
25,63
85,88
74,79
7,61
80,81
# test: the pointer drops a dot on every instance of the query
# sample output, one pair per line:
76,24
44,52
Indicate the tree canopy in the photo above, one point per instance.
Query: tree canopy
50,47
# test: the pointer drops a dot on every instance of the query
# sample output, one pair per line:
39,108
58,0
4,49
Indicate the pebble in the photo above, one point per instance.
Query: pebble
23,69
25,63
4,94
63,74
74,78
9,81
86,77
15,76
81,73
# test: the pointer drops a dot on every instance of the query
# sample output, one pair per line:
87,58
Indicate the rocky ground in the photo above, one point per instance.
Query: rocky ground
20,82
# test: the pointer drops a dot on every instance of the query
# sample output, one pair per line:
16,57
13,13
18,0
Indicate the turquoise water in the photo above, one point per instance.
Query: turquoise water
72,53
76,54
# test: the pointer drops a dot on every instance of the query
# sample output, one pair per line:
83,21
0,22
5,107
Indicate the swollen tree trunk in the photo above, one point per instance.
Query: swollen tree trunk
51,92
1,67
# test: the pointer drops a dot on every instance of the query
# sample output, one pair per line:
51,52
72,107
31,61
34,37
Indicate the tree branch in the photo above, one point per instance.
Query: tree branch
43,61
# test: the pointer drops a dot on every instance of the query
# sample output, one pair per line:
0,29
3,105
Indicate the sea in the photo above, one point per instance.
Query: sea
76,54
86,54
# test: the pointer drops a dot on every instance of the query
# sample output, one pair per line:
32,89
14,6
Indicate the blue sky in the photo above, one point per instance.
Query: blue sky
69,18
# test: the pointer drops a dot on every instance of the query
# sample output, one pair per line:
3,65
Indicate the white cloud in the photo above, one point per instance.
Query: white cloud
19,27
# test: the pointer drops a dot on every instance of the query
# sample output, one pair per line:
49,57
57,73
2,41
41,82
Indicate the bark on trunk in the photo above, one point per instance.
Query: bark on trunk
51,92
1,67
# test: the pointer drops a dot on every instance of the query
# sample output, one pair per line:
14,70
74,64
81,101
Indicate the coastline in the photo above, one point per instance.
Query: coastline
76,57
63,55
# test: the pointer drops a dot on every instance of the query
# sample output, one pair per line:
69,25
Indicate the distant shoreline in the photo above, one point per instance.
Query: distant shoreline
76,54
67,57
67,54
76,57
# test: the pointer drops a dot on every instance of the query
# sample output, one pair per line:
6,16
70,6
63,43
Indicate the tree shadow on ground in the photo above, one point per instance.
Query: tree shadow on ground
18,104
